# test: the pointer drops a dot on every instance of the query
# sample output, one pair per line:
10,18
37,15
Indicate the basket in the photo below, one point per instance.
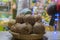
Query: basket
26,37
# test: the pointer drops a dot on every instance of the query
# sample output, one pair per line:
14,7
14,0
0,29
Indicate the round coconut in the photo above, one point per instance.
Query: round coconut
20,19
23,28
37,18
13,29
38,28
11,22
29,19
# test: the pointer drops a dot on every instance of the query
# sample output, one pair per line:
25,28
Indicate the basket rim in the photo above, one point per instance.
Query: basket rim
31,36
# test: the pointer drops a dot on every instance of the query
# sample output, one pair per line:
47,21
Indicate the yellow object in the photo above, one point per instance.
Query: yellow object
2,25
49,28
49,1
46,17
32,4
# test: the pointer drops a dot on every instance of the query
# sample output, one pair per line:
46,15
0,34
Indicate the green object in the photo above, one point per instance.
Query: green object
14,1
34,1
43,14
5,0
0,0
28,12
4,15
1,28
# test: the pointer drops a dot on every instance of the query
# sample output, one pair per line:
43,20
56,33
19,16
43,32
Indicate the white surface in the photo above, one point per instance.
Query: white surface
5,36
53,35
50,35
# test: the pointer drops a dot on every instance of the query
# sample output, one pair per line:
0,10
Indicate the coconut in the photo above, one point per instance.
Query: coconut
29,19
24,28
37,18
13,29
11,22
20,19
27,29
38,28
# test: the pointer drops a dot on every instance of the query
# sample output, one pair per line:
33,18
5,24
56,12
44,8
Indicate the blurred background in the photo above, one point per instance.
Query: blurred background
10,8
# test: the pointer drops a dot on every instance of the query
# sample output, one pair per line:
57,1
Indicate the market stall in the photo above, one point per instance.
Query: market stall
5,13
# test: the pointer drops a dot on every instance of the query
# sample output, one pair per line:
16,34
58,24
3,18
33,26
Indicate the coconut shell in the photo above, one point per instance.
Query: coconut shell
11,22
29,19
20,19
24,28
13,29
38,28
37,18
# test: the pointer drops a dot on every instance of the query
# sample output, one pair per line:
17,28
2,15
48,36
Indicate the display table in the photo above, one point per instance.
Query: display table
5,36
49,35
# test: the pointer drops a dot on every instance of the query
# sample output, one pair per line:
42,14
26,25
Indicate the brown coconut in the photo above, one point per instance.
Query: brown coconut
11,22
29,19
13,29
20,19
38,28
37,18
23,28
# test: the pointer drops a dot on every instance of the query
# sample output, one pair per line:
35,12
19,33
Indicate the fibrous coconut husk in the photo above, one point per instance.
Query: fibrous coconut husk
29,19
37,18
20,19
38,28
14,29
11,22
22,28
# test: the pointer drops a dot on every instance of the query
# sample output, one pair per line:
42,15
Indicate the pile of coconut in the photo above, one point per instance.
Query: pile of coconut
27,24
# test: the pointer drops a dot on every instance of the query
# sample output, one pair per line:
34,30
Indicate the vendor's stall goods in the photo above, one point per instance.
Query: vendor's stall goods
38,28
20,19
37,18
28,27
11,22
29,19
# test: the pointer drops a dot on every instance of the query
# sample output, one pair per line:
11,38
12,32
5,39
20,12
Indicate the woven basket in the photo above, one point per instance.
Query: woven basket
27,37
